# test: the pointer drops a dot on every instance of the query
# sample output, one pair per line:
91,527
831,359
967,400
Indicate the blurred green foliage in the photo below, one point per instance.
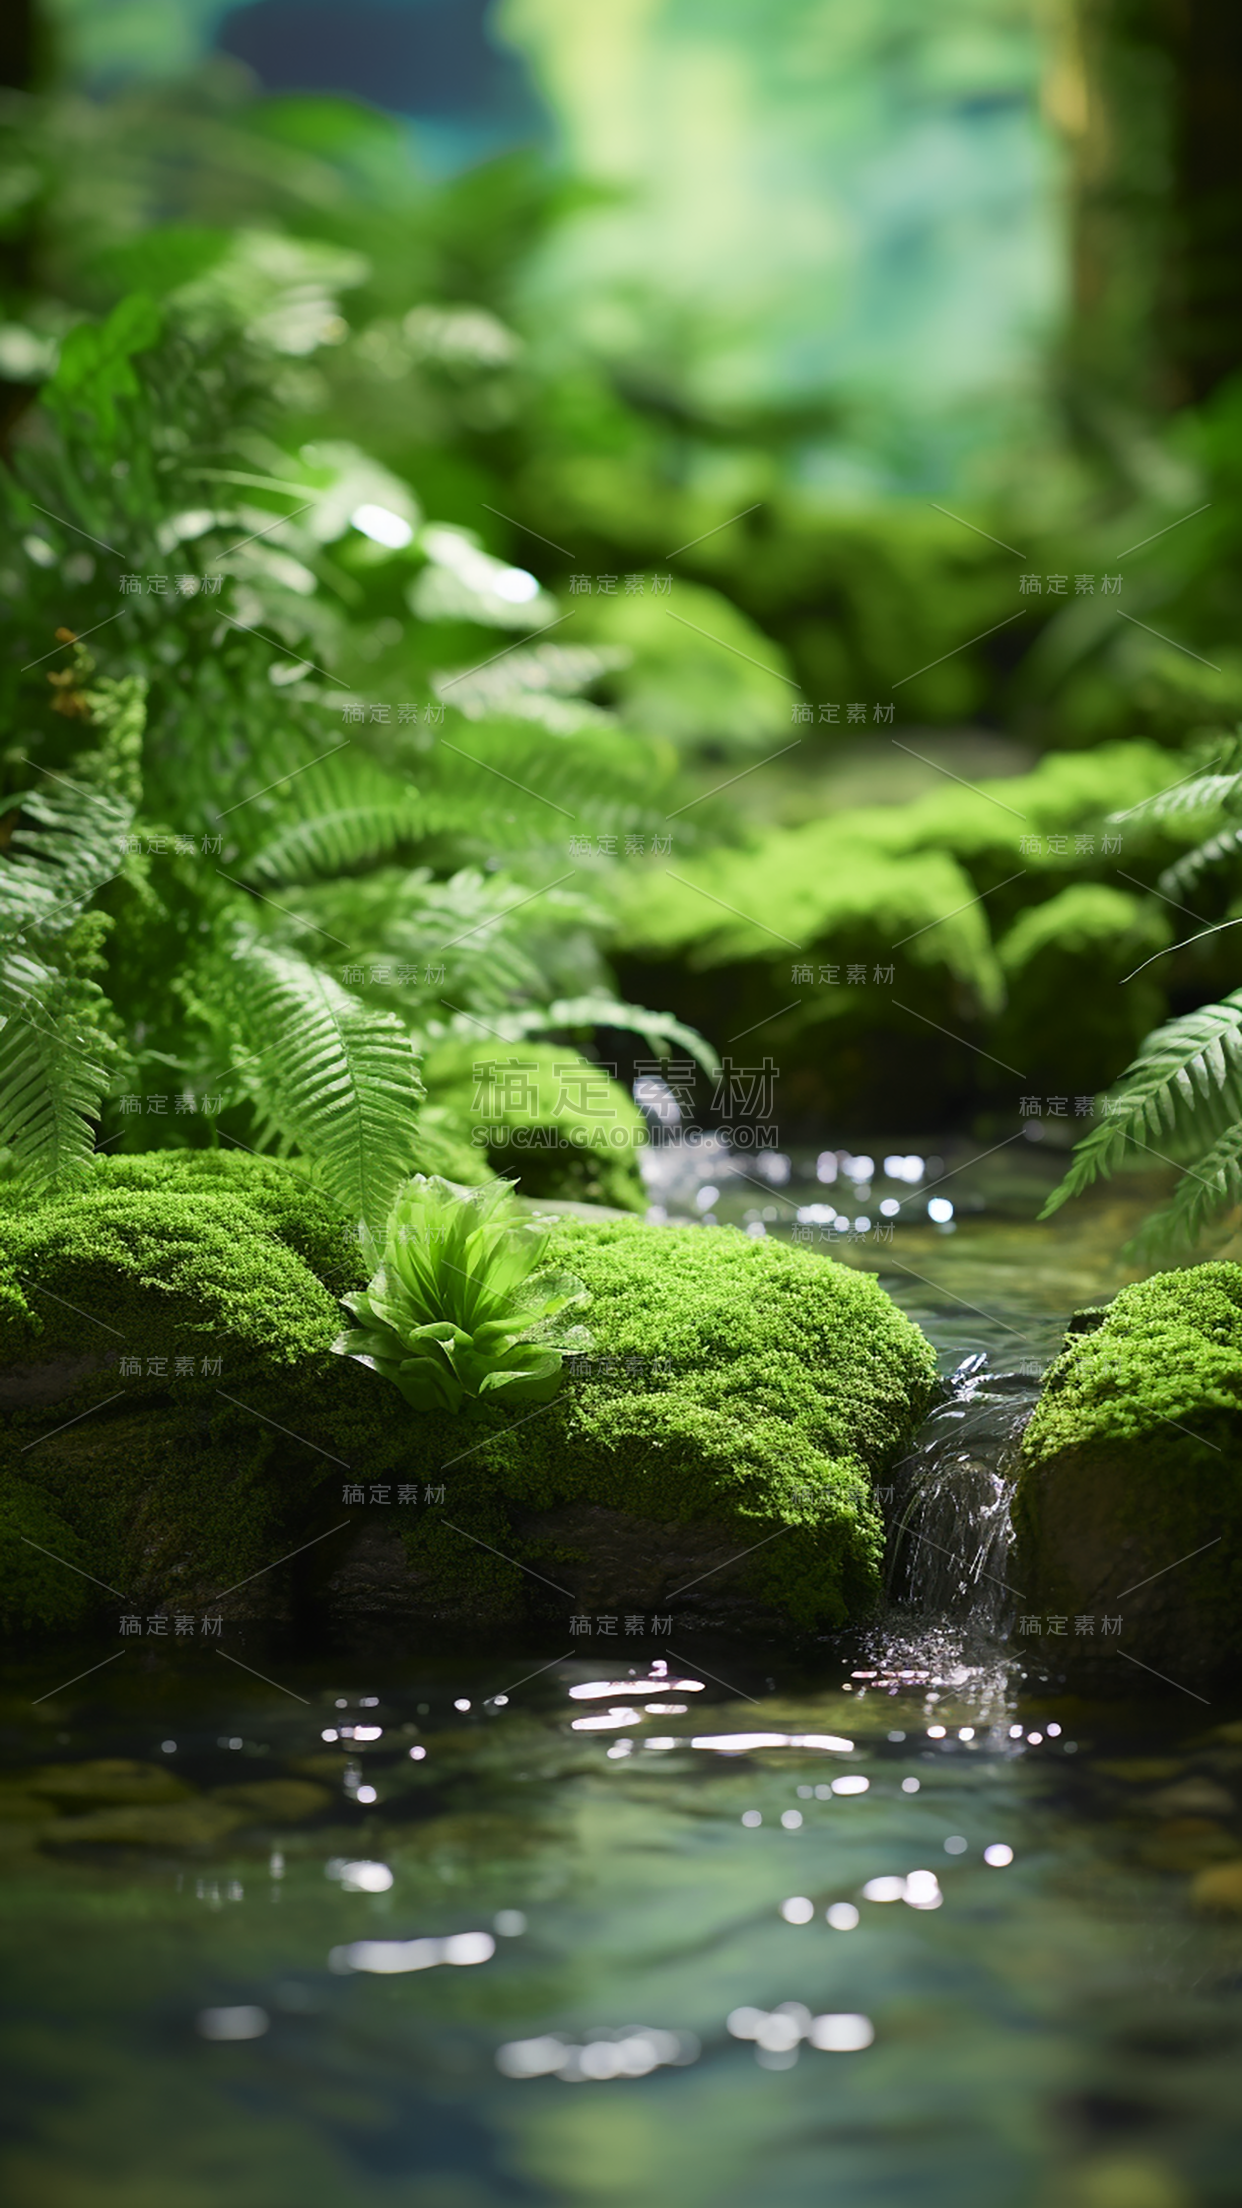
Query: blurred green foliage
246,341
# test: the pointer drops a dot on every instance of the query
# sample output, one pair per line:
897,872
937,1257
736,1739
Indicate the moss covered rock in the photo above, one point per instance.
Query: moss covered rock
544,1116
1074,951
170,1403
1132,1463
157,1330
740,1397
830,934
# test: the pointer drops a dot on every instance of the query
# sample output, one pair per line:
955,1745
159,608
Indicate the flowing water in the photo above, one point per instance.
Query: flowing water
691,1923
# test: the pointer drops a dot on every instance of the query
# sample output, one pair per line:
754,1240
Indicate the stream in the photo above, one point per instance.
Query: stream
697,1923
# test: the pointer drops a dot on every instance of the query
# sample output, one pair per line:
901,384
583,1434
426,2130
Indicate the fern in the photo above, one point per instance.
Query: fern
56,1057
73,845
338,813
329,1075
658,1029
55,1063
510,783
1181,1098
1183,1093
404,921
239,756
1183,877
1208,1189
1203,793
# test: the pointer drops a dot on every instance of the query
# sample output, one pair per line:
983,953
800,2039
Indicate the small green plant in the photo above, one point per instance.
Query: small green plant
1180,1101
457,1311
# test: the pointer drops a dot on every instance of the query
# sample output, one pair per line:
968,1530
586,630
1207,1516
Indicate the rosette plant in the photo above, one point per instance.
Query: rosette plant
458,1313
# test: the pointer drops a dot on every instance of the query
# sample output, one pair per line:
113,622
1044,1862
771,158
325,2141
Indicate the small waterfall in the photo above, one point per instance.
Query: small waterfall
950,1530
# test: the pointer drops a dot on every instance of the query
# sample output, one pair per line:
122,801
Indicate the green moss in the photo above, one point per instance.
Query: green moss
1129,1492
545,1116
289,1204
1169,1350
163,1258
160,1326
36,1590
1064,963
733,1384
823,885
732,1381
820,934
814,880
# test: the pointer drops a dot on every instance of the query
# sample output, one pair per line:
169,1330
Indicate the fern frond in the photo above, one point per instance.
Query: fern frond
658,1029
1185,874
74,845
53,1071
55,1063
117,706
511,781
1185,1084
339,813
337,1079
1202,793
1209,1187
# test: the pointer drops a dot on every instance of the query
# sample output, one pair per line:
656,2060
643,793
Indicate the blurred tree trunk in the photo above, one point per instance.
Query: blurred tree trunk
24,67
1206,44
19,43
1148,94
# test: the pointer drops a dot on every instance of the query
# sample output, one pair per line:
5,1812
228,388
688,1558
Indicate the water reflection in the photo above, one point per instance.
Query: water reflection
1048,2017
488,1925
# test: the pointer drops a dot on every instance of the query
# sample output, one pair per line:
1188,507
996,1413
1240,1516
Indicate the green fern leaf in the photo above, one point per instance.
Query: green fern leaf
658,1029
510,781
336,1079
1209,1187
74,845
341,812
53,1071
1185,874
1185,1084
1203,793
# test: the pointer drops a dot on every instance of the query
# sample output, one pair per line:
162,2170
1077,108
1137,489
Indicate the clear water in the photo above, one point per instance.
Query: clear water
1058,2026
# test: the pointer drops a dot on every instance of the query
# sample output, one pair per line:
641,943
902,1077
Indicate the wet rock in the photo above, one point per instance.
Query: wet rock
27,1385
635,1564
739,1401
1191,1798
329,1765
1219,1890
275,1801
1087,1321
106,1782
1187,1844
1128,1505
1142,1768
19,1807
1125,2180
192,1824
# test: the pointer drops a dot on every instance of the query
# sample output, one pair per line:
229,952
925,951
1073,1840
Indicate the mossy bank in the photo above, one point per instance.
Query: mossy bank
1129,1497
172,1419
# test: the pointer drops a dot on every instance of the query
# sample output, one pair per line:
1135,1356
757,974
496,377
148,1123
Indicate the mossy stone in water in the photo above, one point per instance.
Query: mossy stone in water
275,1801
1219,1891
105,1782
740,1396
1132,1462
194,1824
721,1442
160,1329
